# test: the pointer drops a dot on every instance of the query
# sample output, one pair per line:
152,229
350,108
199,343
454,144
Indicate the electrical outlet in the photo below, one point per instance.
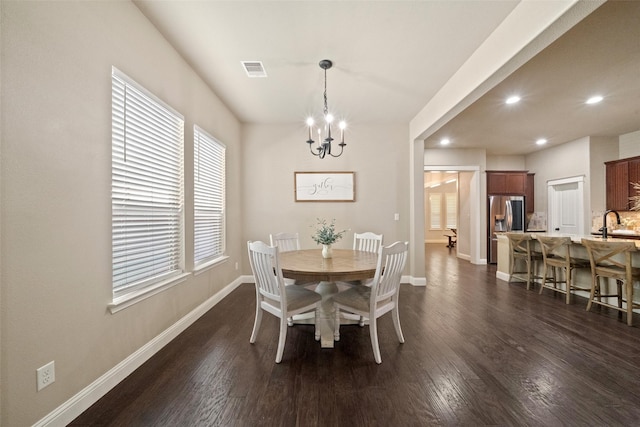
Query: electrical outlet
396,217
46,375
236,265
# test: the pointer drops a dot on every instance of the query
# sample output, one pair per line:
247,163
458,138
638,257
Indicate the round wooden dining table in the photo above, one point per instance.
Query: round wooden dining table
308,267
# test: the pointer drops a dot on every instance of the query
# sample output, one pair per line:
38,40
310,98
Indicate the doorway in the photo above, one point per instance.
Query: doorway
470,214
566,205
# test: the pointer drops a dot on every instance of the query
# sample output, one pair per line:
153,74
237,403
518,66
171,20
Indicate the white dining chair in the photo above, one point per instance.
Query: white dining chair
285,241
274,297
379,298
367,241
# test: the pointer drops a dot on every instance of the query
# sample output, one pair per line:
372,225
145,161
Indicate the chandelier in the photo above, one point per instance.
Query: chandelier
324,145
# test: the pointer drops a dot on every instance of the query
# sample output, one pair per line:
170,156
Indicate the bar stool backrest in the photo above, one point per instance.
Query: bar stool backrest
608,254
520,244
557,248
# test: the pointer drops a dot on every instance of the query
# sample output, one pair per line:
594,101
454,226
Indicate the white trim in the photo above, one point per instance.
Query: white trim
502,276
466,168
465,257
201,268
248,279
81,401
127,300
569,180
414,281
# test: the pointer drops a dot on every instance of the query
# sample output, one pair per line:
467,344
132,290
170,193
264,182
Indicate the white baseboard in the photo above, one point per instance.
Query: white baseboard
86,397
415,281
502,276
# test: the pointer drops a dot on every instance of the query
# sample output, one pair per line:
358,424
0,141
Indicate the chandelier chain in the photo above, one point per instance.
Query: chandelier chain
326,109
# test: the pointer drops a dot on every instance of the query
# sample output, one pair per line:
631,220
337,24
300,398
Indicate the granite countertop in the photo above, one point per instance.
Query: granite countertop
632,233
577,238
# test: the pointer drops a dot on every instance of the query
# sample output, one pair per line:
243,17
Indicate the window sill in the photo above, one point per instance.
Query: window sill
127,300
199,269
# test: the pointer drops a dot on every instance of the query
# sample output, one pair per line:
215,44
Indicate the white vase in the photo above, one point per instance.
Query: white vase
326,251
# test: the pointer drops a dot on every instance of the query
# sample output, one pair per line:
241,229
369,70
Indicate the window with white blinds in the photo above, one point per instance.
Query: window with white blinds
451,206
209,200
146,188
435,208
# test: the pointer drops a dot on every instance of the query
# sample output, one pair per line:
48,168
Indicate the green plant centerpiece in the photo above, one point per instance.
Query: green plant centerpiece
326,235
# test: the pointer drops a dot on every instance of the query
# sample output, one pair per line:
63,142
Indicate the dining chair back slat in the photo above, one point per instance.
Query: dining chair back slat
387,280
285,241
367,241
264,264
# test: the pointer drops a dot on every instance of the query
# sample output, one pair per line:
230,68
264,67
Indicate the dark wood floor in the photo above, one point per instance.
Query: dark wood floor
478,351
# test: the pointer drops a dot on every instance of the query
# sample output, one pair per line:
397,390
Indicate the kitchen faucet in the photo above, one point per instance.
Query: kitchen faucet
604,221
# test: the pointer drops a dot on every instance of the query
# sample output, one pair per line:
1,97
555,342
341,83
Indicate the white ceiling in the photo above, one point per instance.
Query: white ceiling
600,55
391,57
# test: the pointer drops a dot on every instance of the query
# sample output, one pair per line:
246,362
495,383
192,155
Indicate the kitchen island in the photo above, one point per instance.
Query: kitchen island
582,276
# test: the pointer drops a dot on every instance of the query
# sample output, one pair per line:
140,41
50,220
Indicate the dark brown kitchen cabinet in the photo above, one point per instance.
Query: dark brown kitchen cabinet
620,175
506,182
529,194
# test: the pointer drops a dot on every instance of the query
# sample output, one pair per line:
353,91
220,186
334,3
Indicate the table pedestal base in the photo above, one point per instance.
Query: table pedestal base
326,316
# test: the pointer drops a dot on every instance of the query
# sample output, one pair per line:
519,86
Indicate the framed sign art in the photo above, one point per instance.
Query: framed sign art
324,186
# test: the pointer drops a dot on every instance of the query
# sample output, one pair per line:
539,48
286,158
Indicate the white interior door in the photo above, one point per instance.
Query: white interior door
566,206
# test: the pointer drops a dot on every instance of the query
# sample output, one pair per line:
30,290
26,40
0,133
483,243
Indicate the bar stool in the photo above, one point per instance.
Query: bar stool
520,249
556,254
612,260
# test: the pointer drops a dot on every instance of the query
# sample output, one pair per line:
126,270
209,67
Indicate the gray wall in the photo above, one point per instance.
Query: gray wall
582,157
376,153
55,201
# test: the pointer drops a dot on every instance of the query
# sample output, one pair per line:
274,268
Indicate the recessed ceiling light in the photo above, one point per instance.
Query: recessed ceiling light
594,99
513,99
541,141
444,141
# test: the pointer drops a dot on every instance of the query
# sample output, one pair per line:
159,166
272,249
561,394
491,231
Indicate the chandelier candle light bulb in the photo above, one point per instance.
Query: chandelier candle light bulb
310,124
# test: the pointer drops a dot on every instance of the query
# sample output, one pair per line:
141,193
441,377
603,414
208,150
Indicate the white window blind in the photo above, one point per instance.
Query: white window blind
209,197
451,205
146,187
435,203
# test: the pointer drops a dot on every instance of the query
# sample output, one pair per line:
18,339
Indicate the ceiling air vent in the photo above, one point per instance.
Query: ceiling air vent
254,68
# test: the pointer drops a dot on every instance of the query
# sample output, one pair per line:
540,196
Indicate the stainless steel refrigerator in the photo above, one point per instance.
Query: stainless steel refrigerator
504,213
